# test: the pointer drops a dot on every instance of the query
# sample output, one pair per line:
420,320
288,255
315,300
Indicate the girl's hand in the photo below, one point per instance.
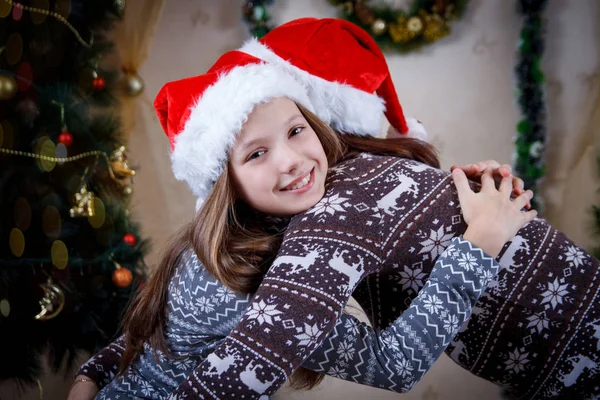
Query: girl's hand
492,217
499,171
83,390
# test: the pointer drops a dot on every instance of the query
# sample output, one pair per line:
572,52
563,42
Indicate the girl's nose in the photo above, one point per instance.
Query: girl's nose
291,161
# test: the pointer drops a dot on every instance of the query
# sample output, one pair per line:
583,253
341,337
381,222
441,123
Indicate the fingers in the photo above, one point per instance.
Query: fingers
506,186
462,184
487,180
523,199
505,170
529,216
470,170
518,185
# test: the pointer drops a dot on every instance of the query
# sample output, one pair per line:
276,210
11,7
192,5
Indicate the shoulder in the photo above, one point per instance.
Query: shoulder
192,280
367,165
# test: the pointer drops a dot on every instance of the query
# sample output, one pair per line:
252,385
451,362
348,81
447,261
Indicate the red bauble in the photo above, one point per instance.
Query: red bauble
122,277
98,83
129,238
65,138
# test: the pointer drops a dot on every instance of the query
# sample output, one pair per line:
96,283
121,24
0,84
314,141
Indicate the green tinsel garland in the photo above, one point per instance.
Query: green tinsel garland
531,137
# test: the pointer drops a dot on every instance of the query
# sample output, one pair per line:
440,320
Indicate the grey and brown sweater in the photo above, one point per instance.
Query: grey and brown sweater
387,232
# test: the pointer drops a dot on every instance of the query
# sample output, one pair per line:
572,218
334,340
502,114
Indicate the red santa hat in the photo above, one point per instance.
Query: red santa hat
332,67
347,74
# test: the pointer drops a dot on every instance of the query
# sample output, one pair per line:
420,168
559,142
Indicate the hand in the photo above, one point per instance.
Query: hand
83,390
492,217
499,171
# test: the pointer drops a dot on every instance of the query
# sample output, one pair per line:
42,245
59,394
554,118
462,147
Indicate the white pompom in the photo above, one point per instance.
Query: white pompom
416,130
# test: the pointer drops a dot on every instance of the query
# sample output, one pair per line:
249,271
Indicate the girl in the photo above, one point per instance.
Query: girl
278,166
273,117
355,238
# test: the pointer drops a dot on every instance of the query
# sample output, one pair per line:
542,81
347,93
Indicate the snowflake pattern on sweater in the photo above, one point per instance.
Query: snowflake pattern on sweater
394,240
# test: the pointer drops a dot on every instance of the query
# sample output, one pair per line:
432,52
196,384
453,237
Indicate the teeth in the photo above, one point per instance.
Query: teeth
302,183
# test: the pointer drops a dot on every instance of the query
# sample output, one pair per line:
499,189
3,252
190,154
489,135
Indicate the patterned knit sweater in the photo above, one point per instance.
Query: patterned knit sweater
387,219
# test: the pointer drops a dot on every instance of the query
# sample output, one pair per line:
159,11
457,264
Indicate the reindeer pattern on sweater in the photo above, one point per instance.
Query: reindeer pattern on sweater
535,323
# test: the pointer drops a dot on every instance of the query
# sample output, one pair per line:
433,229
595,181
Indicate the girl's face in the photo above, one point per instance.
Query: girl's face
278,163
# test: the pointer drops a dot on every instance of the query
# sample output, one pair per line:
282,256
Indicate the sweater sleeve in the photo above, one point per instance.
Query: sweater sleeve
102,367
384,359
325,253
397,357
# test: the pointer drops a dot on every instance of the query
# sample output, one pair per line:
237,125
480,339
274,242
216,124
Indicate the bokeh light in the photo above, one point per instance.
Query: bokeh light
7,134
14,48
97,220
25,73
63,7
51,222
17,242
4,9
61,152
37,17
46,147
59,254
17,12
4,308
22,214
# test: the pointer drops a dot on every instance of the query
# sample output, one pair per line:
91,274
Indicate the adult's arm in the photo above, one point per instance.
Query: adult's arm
325,253
403,352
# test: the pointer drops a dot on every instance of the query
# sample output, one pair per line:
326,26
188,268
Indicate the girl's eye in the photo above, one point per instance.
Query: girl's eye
255,155
296,130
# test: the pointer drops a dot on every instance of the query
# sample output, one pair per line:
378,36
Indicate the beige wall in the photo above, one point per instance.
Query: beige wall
461,88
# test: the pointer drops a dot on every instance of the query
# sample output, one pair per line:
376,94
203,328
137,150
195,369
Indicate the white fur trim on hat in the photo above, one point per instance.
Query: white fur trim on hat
338,104
201,150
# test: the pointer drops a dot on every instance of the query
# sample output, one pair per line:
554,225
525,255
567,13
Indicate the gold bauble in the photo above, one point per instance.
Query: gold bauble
134,85
121,169
415,24
379,26
52,302
8,87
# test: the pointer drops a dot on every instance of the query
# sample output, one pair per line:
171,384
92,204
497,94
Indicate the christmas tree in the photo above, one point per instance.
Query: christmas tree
70,256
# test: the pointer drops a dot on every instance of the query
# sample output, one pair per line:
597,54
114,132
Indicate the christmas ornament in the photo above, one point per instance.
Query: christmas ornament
65,138
425,22
129,239
121,277
52,302
133,84
8,87
119,164
84,206
379,27
98,83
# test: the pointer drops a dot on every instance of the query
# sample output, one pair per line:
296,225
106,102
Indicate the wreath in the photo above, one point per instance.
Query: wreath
425,21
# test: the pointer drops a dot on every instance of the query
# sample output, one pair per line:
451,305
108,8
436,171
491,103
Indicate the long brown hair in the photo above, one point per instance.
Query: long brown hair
230,240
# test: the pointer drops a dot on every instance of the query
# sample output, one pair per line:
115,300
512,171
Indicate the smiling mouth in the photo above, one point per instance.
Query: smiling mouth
299,185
